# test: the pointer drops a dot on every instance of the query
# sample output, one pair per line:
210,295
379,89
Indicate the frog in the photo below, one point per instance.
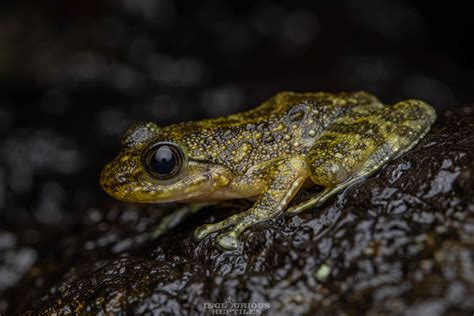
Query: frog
267,154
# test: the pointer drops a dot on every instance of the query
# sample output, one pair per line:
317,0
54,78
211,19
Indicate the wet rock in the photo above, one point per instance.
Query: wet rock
401,241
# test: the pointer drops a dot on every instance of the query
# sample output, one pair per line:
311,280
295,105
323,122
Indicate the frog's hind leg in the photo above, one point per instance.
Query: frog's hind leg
379,137
375,161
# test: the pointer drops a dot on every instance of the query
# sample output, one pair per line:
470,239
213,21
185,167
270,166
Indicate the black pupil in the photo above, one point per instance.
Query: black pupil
163,162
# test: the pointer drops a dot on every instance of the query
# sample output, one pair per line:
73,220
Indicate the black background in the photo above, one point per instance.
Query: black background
74,75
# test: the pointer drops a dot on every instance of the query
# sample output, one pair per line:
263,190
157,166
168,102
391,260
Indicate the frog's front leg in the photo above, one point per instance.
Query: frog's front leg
285,177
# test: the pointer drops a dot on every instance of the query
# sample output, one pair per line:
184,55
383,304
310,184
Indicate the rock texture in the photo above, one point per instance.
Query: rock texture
402,241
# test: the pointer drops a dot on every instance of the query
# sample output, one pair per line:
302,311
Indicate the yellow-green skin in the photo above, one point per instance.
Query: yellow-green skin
268,153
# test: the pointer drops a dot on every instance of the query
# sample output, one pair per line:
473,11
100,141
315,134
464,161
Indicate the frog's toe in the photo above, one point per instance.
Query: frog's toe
203,231
228,241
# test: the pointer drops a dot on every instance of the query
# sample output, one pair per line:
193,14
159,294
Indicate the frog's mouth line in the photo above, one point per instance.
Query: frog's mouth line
198,183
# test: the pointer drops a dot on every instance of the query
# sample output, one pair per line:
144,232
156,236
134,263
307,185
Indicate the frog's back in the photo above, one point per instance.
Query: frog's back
286,124
283,104
284,107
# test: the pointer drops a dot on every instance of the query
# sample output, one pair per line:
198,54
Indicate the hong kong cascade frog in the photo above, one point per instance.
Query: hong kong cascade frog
268,153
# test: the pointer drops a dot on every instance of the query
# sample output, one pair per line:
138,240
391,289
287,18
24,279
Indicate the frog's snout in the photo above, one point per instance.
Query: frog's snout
114,179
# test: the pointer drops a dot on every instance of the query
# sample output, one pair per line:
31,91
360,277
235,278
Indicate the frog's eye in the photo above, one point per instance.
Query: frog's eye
164,161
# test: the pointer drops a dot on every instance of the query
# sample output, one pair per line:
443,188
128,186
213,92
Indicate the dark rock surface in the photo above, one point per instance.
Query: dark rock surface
402,241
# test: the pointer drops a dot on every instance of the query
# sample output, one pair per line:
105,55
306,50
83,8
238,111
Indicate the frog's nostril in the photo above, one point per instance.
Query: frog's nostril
121,179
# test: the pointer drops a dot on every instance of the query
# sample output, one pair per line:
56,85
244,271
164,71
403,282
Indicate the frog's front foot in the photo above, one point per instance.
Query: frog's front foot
228,240
203,231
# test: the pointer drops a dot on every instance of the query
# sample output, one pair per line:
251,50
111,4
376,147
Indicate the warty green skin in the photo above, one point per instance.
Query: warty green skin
269,153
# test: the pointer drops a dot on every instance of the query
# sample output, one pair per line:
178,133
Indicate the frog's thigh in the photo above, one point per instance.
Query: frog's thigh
373,163
393,131
285,179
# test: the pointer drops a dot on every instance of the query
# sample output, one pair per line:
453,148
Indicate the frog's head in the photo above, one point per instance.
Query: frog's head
152,168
